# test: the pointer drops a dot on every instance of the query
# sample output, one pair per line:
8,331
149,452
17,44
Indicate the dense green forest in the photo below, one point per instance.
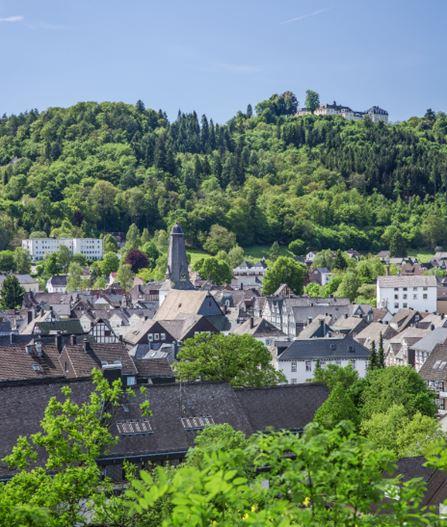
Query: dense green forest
265,175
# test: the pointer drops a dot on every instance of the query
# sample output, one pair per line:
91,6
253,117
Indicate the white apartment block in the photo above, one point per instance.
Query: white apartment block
38,248
401,292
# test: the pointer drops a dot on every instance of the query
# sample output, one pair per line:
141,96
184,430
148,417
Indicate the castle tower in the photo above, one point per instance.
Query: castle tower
177,273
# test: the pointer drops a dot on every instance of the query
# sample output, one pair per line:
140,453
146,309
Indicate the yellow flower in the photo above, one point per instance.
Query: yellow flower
306,501
254,508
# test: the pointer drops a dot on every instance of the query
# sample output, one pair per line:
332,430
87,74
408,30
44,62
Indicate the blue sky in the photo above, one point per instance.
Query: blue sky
217,56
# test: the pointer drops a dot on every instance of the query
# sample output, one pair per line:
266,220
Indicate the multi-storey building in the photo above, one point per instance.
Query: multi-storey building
402,292
38,248
375,113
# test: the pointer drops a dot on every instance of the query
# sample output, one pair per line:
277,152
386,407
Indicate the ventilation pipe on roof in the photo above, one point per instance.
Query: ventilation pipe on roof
252,323
73,340
38,348
58,341
86,345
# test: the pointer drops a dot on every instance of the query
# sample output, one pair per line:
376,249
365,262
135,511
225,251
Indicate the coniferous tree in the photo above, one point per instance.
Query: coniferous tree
249,112
373,359
12,292
380,353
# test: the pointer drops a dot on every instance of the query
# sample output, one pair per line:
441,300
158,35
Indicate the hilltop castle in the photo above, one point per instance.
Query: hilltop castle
375,113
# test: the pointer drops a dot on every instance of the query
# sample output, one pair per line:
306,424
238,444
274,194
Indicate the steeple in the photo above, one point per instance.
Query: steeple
177,272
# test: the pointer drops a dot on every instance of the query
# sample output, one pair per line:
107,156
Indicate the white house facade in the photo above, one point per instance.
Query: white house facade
402,292
39,248
299,360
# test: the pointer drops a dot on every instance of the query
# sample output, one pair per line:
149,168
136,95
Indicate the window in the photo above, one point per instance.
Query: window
415,297
294,381
353,363
404,288
396,297
293,367
396,289
162,336
196,423
134,427
131,381
308,365
404,296
424,296
425,288
150,337
396,305
156,336
404,305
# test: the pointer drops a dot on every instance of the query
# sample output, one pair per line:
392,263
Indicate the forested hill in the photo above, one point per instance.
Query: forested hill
266,175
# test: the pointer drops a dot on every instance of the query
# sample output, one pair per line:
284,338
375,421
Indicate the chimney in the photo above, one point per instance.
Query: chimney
58,341
432,327
30,315
86,345
112,372
346,315
38,348
73,340
252,323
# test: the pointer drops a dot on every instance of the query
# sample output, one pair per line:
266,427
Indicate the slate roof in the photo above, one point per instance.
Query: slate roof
435,367
58,280
71,326
258,327
407,281
348,323
326,348
373,331
249,410
18,364
181,304
431,339
290,406
83,358
319,327
159,368
434,479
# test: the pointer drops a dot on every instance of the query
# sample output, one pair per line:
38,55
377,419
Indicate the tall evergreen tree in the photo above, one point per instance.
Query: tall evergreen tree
249,112
380,353
373,359
12,292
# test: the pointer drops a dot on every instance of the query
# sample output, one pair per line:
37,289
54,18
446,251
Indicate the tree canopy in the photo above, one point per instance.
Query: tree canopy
239,360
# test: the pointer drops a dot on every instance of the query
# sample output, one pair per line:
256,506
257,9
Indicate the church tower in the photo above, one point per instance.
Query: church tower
177,273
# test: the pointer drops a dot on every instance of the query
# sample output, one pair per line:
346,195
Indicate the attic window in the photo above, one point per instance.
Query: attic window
196,423
439,365
37,367
126,428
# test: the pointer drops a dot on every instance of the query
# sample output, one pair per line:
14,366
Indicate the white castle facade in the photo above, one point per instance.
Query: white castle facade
375,113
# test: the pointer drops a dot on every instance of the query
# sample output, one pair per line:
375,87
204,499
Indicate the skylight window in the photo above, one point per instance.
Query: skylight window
196,423
135,427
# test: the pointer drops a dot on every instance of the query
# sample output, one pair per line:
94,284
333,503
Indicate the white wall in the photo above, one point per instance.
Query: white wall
418,298
38,248
304,374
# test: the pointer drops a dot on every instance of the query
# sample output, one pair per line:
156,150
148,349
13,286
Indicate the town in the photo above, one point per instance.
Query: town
136,332
223,264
